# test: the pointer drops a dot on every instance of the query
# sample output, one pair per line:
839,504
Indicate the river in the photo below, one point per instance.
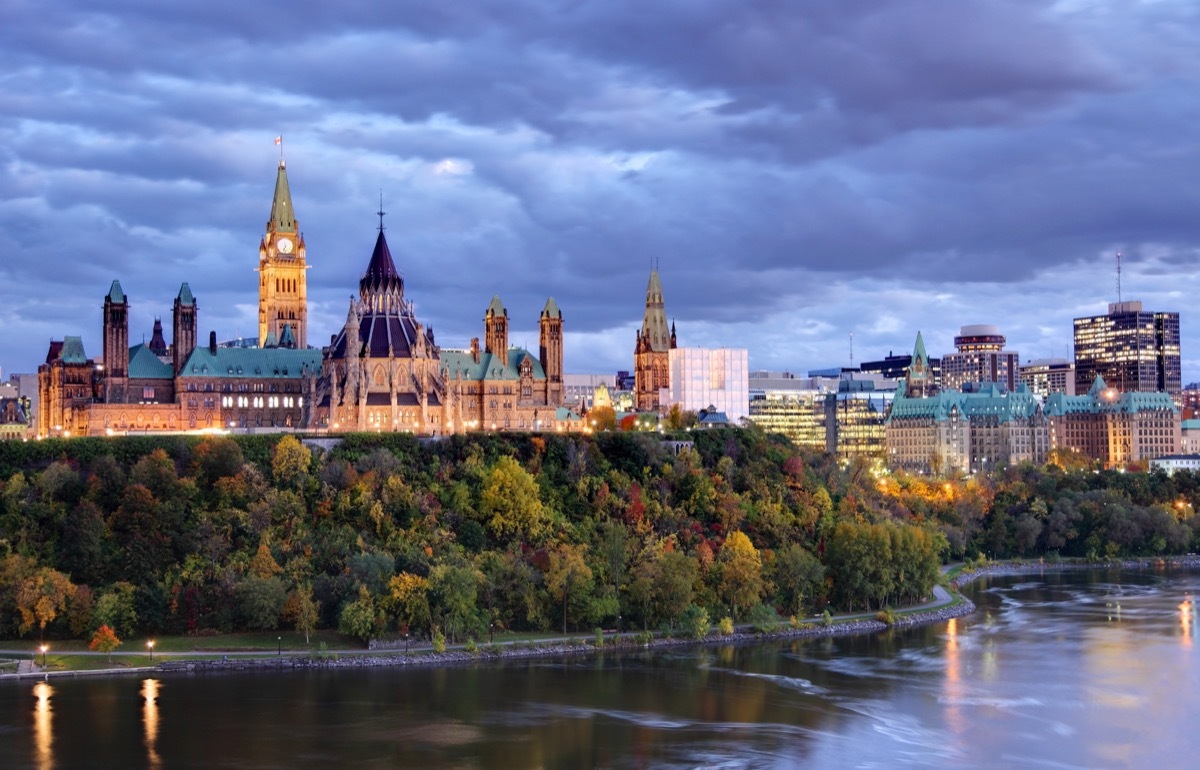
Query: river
1056,670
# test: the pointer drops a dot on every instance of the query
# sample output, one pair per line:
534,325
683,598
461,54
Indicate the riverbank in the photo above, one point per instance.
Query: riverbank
952,606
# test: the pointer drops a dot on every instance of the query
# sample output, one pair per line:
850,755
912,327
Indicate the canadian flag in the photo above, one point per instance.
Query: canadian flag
279,140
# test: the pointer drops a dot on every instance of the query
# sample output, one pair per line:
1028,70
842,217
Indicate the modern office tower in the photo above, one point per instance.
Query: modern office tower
702,378
1044,376
1134,350
895,367
980,357
840,411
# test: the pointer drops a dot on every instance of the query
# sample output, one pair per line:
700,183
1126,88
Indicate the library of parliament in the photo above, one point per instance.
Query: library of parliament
382,371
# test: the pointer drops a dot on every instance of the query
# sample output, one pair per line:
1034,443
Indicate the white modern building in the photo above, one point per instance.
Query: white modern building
718,378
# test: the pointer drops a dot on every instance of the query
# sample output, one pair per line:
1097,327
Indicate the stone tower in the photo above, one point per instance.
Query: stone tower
116,332
183,333
551,351
282,287
652,351
495,323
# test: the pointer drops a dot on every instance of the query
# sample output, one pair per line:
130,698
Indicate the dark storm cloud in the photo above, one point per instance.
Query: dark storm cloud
798,170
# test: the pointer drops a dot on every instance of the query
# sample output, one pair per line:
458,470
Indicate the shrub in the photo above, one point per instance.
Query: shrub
599,636
439,640
695,621
827,618
643,638
763,618
725,626
886,616
470,646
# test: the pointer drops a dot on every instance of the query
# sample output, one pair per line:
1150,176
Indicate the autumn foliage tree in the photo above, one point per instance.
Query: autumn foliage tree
104,640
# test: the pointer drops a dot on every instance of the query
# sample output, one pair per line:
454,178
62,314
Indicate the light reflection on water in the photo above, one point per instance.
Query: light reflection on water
43,732
1055,670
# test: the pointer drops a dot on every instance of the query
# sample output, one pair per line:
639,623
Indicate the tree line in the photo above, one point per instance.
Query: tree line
470,535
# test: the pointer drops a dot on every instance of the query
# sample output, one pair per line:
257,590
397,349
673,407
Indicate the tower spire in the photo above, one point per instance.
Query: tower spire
381,212
1118,277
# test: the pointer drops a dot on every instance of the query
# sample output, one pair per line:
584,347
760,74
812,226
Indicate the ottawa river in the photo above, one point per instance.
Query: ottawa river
1058,670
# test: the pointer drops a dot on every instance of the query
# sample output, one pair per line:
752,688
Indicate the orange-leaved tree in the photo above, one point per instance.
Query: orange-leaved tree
105,640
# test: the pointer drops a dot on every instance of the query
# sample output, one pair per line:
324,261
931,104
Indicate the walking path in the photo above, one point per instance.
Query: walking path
27,667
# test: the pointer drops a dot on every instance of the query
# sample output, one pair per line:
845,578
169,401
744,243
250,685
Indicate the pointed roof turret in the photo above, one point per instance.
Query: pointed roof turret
381,275
919,353
287,339
115,294
1098,387
158,344
496,306
551,309
185,295
283,219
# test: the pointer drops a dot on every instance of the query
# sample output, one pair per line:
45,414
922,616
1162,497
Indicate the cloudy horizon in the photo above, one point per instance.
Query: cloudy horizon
800,172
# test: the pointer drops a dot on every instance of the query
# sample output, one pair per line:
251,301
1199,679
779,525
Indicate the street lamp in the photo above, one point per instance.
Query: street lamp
279,639
44,648
150,646
405,642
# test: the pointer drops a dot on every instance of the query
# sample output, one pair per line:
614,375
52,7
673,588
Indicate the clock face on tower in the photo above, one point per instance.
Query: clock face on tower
285,246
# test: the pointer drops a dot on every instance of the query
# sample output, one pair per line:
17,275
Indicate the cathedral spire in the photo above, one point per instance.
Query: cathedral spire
655,332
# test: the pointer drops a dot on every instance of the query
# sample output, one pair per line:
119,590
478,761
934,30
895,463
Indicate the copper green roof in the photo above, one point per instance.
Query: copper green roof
496,305
115,294
287,339
490,367
252,363
283,219
990,401
1103,400
144,365
919,353
551,309
72,351
185,295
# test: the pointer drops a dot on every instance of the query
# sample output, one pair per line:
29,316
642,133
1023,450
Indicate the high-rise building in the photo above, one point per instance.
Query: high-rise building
980,357
651,352
1134,350
1044,376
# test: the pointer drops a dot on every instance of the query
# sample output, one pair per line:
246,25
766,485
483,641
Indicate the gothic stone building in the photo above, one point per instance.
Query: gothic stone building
384,370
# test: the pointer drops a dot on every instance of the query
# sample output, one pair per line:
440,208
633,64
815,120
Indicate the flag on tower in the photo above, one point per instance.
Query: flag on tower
279,140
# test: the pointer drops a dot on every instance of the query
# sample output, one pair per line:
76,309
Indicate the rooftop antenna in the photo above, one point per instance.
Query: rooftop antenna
851,349
381,212
1118,277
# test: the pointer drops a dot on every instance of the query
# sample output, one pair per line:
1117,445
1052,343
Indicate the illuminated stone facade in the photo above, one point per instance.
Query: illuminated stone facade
651,351
282,269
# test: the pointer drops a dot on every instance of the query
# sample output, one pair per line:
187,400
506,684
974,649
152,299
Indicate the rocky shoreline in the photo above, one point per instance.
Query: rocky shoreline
624,644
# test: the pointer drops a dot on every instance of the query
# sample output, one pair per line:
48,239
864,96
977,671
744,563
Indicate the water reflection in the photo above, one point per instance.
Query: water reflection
1187,612
43,735
150,721
953,685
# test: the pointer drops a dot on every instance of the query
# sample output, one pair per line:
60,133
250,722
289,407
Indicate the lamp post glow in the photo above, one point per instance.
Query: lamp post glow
44,648
150,646
280,640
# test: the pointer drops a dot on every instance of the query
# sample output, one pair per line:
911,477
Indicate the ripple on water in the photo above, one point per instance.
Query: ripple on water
787,682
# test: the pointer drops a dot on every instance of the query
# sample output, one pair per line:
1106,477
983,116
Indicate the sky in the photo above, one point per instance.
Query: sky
816,181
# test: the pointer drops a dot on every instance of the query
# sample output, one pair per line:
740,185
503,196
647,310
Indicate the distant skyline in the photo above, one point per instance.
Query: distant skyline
798,171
